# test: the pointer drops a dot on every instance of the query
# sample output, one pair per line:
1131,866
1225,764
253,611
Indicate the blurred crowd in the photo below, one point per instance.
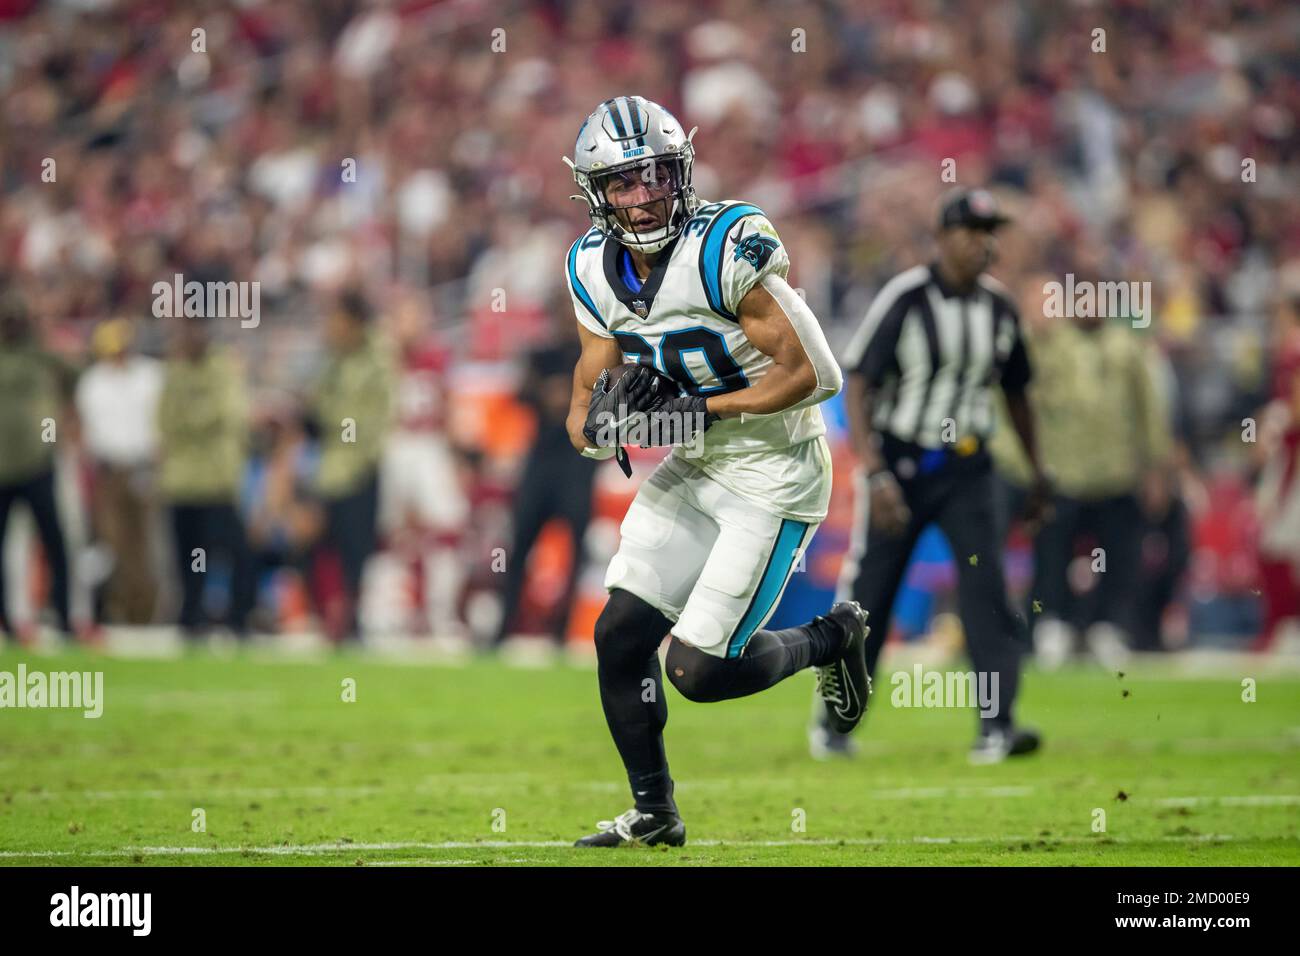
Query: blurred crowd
389,174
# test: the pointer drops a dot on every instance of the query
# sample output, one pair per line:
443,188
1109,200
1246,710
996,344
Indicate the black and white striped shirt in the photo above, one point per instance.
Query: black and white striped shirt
932,355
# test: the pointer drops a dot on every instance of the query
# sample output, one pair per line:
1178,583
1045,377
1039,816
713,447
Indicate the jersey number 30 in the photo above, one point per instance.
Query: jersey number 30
721,373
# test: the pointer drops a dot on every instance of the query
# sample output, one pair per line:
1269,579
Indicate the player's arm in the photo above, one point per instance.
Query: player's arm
778,323
598,354
887,510
1038,508
1021,414
859,403
871,356
1015,379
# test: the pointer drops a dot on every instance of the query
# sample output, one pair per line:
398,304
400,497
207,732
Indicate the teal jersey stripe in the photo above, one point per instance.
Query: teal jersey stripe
715,240
578,288
779,564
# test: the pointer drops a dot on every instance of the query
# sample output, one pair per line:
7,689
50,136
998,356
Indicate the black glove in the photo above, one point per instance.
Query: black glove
678,420
636,390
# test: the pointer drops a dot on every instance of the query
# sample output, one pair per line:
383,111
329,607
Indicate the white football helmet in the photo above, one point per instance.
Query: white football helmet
638,148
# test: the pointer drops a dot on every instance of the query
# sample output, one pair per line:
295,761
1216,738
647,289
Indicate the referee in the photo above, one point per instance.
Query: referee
920,372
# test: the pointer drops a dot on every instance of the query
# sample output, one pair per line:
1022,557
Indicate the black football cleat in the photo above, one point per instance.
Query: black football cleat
1024,740
844,684
635,828
999,744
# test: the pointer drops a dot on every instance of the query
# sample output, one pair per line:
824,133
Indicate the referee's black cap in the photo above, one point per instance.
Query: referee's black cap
975,208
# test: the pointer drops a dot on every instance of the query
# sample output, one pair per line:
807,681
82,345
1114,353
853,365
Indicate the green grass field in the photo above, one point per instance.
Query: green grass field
487,764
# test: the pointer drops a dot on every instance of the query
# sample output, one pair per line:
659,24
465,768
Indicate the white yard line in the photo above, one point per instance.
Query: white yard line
237,793
432,861
505,786
475,784
1248,800
944,793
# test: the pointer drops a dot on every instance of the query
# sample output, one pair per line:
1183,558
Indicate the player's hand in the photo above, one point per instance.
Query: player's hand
636,390
677,421
1038,509
888,508
1157,494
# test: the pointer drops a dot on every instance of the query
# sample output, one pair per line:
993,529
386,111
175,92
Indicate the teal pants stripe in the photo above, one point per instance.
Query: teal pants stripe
779,564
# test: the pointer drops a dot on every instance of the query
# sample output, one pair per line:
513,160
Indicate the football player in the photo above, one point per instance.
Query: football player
730,367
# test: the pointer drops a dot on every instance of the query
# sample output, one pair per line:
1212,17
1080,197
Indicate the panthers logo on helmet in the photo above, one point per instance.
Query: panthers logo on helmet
756,250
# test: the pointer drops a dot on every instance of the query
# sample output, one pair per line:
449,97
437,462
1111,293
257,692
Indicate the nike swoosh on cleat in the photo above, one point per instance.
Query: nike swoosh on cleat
651,835
850,707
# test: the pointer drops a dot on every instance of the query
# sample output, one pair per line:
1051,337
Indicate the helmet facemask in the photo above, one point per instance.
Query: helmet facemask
659,185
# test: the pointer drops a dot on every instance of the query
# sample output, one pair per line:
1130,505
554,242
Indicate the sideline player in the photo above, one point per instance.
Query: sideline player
731,366
423,508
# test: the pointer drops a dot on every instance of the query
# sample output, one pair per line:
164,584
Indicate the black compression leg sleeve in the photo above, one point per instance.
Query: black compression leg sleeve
768,658
628,634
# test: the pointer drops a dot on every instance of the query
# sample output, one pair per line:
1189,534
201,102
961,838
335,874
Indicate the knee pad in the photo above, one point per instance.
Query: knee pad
628,629
698,676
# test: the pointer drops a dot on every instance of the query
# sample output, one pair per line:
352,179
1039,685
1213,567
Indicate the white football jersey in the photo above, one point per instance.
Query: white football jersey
682,321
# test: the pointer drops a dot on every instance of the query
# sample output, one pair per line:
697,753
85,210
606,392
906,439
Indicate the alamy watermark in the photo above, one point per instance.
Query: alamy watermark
75,908
922,688
650,429
1098,300
76,690
208,300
